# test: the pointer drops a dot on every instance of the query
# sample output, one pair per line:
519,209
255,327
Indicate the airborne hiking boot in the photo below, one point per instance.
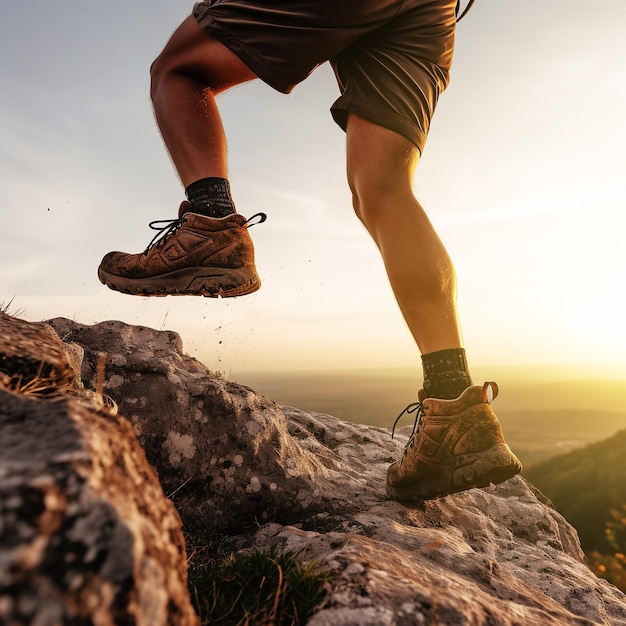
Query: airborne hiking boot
455,445
192,255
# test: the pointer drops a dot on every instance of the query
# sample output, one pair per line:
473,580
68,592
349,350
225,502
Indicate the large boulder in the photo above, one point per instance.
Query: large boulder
86,534
222,451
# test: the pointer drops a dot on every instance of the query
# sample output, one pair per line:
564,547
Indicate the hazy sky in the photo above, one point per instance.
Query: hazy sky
523,175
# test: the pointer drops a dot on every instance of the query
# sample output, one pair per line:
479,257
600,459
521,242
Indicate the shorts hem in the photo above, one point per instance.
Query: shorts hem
255,63
372,112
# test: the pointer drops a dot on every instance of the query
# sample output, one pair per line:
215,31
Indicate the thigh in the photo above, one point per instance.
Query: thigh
378,159
283,41
191,50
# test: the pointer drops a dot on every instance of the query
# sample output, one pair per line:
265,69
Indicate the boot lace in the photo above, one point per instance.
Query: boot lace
461,14
418,409
165,228
257,218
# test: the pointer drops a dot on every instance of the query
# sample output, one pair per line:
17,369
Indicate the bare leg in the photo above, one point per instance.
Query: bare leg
186,76
208,257
380,170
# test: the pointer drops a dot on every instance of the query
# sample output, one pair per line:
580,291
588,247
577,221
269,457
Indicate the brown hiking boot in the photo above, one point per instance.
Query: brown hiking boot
455,445
192,255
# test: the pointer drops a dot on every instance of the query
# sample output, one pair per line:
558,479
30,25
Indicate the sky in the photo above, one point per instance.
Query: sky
523,177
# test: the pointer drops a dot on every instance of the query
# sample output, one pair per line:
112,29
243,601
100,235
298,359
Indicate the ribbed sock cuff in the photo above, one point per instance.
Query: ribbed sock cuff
211,197
446,374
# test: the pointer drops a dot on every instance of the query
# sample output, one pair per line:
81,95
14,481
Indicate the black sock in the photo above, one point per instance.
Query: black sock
445,373
211,197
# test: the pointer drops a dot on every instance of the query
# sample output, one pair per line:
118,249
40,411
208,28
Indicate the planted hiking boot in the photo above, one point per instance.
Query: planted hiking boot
192,255
455,445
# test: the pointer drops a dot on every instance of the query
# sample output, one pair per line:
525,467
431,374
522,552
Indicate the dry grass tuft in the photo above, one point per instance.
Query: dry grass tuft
261,587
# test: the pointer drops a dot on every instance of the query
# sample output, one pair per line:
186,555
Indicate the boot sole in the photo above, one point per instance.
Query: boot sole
196,281
459,473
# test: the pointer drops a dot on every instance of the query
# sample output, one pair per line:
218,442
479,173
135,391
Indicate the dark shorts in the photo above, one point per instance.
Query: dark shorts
391,57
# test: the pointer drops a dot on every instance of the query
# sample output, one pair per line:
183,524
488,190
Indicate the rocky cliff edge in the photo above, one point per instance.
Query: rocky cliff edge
112,440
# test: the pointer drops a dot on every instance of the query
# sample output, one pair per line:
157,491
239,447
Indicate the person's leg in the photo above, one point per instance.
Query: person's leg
380,170
380,166
206,251
186,76
457,442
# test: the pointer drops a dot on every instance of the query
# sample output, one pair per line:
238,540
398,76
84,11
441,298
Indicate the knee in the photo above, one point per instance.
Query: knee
372,196
182,55
170,65
160,68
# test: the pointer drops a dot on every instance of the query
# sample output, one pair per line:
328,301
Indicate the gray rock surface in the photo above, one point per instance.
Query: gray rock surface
221,450
500,555
236,462
86,534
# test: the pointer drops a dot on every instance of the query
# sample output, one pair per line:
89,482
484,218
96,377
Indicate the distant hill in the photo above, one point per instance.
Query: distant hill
537,435
584,485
